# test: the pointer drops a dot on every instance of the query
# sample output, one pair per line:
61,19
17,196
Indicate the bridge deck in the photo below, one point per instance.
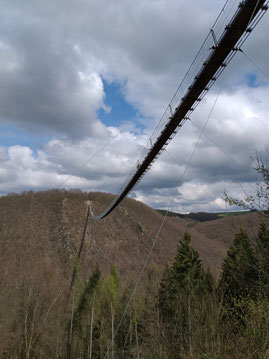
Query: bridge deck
215,63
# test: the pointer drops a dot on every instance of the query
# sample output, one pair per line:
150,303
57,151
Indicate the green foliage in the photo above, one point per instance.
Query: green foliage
113,283
256,333
198,322
181,317
87,296
187,272
239,277
181,284
83,329
165,292
185,276
95,314
263,237
262,255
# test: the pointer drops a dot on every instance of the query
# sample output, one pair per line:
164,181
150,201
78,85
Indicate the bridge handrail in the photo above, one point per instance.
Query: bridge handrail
219,47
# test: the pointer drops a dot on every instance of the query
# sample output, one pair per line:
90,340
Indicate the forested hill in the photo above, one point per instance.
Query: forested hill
51,224
43,315
204,216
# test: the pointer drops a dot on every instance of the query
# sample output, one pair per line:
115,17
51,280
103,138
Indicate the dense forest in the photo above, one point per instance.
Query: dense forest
56,303
187,315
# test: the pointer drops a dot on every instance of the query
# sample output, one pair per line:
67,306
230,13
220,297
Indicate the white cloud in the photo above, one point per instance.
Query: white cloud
54,58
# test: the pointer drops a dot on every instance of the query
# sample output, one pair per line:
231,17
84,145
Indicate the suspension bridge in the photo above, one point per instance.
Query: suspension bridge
232,27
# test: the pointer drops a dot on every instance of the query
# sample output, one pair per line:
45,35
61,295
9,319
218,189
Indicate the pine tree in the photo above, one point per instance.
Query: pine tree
185,276
165,302
187,273
83,314
87,294
239,277
181,286
239,281
262,254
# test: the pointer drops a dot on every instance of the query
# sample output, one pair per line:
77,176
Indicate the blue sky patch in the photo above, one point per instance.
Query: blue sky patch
121,110
11,136
252,79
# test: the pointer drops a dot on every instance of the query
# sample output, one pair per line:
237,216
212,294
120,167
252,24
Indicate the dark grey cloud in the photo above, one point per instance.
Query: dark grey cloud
54,57
142,44
41,87
147,46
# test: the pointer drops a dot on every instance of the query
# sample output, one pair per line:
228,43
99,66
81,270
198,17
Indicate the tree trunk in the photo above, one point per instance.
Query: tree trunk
90,354
69,344
112,331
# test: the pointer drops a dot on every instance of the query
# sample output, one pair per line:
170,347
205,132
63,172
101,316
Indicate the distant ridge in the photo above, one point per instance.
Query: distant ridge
204,216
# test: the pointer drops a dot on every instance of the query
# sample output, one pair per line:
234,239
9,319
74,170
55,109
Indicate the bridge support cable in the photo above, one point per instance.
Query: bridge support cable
215,54
169,208
256,65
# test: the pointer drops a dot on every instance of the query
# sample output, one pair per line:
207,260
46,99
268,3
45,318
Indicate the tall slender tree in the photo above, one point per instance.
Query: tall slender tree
262,255
186,275
180,286
239,277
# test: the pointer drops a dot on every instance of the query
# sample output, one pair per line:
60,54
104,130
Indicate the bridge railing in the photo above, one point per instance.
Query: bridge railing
224,18
196,71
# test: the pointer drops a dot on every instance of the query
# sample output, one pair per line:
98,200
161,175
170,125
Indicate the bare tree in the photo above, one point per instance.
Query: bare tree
259,199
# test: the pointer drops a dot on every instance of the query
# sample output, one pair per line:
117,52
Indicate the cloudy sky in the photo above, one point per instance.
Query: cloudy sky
83,84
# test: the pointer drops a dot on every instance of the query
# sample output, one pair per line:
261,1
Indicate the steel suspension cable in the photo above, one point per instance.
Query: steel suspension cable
160,229
222,51
256,65
232,159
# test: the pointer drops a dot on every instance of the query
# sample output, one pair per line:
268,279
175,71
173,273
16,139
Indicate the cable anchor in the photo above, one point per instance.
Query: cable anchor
171,110
214,37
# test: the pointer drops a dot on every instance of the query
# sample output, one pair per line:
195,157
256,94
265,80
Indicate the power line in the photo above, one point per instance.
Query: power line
244,276
199,186
220,55
159,231
133,155
88,160
83,165
256,65
231,159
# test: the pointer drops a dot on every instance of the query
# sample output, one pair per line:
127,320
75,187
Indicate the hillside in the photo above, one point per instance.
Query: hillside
40,237
51,224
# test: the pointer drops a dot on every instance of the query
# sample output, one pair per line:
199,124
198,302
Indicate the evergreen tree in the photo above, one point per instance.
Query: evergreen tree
187,273
239,281
262,254
86,295
185,276
239,277
180,287
82,317
164,295
263,237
